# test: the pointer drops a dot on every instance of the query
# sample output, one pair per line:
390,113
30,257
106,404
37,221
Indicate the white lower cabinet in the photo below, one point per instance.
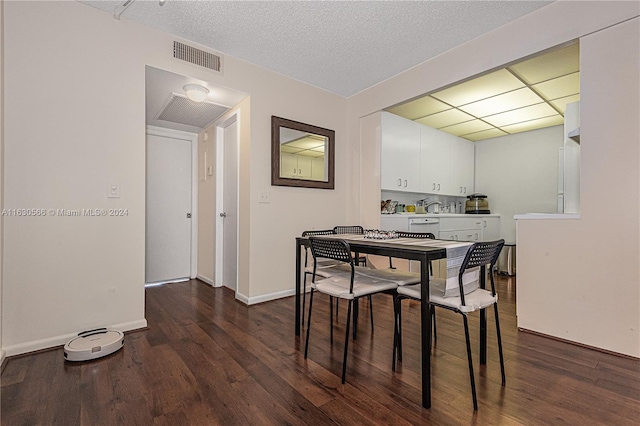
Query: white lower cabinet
473,235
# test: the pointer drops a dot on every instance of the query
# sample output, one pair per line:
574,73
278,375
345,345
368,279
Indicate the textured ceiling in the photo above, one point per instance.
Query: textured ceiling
340,46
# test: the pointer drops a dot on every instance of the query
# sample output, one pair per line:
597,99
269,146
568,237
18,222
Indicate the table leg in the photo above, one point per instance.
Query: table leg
425,319
298,271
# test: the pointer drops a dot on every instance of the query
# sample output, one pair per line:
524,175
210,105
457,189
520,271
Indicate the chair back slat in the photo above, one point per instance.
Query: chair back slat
318,232
481,254
403,234
348,229
330,248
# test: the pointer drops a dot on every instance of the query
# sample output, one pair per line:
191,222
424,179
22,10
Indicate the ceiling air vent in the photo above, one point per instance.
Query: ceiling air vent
196,56
179,109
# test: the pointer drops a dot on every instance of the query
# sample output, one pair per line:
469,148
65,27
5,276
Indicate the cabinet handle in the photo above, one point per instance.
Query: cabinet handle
484,223
434,186
461,190
465,189
438,187
405,183
399,182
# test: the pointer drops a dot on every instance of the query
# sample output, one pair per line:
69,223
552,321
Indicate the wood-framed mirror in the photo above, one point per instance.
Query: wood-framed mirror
302,155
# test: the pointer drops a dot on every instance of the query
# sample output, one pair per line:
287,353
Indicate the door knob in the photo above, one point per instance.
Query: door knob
223,214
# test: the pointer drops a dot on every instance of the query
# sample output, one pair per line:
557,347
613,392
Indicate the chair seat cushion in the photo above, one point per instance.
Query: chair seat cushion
477,299
338,286
328,269
399,277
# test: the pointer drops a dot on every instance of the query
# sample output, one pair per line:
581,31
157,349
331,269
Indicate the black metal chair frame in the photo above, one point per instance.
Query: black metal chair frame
478,255
312,233
338,250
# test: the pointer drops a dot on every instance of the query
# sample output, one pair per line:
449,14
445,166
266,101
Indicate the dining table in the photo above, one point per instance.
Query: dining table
421,250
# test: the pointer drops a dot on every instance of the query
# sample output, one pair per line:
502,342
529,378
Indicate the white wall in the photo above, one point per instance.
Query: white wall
77,75
580,279
571,252
2,351
519,174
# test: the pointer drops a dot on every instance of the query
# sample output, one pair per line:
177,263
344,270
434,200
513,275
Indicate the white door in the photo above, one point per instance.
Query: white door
168,212
230,205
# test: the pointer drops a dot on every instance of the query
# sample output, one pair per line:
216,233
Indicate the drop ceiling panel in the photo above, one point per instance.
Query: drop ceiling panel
549,65
559,87
445,118
534,124
419,108
521,114
505,102
493,84
467,127
485,134
561,103
306,143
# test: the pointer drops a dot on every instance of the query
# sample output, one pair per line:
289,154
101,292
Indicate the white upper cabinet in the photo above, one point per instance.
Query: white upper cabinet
462,166
417,158
435,161
400,154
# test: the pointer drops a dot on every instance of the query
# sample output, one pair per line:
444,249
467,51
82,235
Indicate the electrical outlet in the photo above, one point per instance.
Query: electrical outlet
265,197
114,190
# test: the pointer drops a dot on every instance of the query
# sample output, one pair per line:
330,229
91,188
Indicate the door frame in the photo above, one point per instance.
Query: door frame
193,138
219,195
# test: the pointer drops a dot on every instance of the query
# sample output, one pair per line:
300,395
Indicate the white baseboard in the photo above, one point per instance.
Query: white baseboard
52,342
266,297
206,280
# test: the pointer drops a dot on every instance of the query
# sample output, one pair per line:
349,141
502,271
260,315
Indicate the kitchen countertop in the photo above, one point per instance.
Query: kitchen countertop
546,216
438,215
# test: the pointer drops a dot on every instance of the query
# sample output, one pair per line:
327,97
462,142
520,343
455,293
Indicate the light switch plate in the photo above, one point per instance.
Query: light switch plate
265,197
114,190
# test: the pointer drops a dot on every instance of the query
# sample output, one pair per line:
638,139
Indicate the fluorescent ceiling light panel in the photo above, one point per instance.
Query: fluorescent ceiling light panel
501,103
561,103
419,108
467,127
549,65
559,87
534,124
485,134
521,114
445,118
493,84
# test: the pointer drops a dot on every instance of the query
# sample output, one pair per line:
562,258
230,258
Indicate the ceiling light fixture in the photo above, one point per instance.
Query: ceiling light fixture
162,2
196,92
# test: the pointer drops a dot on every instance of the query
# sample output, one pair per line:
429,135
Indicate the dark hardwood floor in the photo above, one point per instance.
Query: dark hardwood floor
207,359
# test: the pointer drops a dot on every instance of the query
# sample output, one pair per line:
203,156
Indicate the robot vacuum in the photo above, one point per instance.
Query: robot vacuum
93,344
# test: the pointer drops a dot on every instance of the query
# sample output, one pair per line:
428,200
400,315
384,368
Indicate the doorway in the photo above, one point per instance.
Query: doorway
227,141
170,206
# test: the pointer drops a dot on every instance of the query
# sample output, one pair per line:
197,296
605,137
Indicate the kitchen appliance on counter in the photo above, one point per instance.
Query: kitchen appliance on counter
477,204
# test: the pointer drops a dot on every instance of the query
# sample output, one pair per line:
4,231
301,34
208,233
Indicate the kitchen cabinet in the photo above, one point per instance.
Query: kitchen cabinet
295,166
317,169
470,228
462,166
435,156
400,153
417,158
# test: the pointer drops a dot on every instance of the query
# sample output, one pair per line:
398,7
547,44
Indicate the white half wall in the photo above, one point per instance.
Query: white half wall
519,174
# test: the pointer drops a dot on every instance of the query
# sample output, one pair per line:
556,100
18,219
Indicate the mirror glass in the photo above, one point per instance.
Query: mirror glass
301,154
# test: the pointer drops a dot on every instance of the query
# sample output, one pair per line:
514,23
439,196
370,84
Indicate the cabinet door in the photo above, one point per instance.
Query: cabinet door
317,169
471,235
462,166
288,165
304,167
400,154
490,228
435,155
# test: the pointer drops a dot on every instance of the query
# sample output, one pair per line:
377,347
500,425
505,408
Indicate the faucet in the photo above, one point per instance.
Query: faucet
436,209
